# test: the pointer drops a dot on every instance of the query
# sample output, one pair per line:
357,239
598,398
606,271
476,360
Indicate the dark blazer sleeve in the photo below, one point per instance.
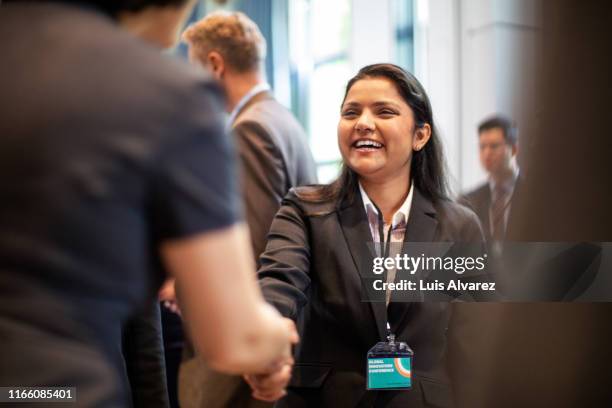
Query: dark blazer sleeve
264,182
143,352
285,264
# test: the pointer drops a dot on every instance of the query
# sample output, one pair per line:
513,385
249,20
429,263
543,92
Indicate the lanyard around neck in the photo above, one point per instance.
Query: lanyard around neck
384,244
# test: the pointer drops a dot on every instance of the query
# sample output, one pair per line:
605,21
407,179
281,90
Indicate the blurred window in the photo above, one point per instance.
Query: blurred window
403,16
320,34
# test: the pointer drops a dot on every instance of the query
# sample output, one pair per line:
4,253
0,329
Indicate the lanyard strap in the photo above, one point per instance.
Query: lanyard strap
385,246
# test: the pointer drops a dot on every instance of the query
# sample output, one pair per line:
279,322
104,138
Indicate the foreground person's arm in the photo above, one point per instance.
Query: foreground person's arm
229,322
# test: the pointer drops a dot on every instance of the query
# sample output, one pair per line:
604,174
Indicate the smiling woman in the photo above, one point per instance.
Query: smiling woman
377,135
391,189
386,105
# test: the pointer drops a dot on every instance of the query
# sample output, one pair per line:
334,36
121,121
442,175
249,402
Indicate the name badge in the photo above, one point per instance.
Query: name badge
389,366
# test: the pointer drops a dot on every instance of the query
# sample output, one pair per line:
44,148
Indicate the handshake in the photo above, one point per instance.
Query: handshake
270,384
267,382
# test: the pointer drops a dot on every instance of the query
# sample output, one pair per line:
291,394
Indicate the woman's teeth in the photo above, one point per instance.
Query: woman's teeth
368,143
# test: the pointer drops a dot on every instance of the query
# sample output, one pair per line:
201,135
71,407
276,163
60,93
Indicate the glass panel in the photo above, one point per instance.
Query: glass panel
330,25
404,33
330,28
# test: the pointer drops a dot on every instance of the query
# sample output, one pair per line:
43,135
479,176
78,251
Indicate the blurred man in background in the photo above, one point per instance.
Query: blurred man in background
491,201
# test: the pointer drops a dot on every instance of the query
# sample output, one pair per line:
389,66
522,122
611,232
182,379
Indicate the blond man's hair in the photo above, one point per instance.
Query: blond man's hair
233,35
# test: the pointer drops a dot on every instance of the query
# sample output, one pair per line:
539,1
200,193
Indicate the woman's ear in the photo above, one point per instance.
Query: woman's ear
421,137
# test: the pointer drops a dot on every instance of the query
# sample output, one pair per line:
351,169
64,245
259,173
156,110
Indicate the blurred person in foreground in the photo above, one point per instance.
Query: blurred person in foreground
312,268
274,157
142,343
492,201
116,170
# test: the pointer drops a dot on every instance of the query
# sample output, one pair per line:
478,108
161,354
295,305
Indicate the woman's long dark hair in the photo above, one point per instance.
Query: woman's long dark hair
427,169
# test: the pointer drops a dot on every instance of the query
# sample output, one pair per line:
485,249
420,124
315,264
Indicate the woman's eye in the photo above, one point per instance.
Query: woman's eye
349,113
386,112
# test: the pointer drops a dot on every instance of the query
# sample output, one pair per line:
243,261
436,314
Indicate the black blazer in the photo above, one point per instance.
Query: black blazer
309,272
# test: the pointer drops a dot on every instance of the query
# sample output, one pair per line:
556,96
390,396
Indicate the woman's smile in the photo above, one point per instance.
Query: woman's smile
366,146
375,132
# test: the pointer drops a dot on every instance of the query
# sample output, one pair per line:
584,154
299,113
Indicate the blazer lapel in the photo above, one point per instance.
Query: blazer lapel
422,222
421,227
356,231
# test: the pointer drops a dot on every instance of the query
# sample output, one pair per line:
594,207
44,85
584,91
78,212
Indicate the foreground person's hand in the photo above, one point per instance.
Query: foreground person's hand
270,385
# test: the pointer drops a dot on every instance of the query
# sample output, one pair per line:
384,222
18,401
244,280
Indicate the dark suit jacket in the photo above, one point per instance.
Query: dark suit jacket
479,200
274,157
310,272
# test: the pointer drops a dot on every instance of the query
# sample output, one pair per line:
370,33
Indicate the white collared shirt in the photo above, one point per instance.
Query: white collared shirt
399,219
398,227
263,86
